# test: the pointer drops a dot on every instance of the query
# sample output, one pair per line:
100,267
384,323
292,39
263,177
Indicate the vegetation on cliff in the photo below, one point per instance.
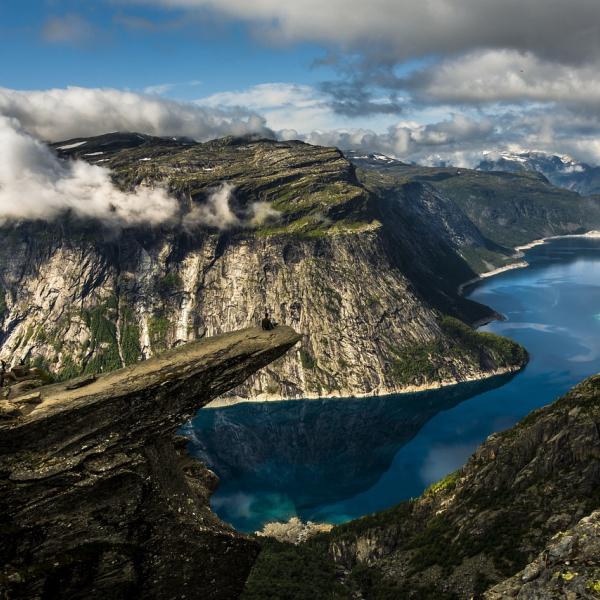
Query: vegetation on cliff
363,278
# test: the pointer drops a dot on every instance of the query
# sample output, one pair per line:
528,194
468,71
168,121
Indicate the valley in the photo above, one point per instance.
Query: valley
368,262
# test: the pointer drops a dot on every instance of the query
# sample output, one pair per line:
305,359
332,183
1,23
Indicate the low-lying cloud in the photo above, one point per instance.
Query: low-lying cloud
217,212
59,114
35,184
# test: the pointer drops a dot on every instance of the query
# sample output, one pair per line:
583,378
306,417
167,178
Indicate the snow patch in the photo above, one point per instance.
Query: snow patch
69,146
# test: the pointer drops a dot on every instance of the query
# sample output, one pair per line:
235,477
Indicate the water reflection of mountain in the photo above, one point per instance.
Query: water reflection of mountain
316,451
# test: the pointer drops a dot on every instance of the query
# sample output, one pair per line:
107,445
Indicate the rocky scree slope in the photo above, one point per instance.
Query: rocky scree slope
97,498
366,280
568,567
478,526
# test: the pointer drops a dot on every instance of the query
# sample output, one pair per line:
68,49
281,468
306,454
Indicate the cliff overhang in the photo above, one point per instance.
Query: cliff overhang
97,498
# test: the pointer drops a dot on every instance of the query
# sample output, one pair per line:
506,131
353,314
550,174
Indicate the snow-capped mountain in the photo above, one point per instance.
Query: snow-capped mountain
362,159
562,171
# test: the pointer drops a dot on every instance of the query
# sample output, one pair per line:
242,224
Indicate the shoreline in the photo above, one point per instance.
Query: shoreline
487,274
380,393
522,264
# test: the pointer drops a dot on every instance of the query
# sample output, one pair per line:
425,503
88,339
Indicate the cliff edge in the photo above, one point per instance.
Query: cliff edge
98,498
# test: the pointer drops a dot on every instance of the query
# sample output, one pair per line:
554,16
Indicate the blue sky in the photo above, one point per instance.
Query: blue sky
437,81
124,54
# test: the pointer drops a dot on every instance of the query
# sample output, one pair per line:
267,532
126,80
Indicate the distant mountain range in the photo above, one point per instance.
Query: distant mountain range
562,171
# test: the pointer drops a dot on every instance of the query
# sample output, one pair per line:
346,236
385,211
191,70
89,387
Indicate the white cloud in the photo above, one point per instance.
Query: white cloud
404,29
506,76
289,106
67,29
284,105
159,88
163,88
35,184
459,140
59,114
216,211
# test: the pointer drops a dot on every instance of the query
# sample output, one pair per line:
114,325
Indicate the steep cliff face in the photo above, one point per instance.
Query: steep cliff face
485,522
366,281
97,500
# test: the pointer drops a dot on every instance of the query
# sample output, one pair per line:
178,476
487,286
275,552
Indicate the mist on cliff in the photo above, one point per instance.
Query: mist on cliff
217,211
36,184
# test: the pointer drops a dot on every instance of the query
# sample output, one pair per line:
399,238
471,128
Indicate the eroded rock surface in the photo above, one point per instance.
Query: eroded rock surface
367,277
99,500
569,567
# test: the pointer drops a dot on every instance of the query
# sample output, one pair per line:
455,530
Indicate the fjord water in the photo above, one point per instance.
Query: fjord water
334,460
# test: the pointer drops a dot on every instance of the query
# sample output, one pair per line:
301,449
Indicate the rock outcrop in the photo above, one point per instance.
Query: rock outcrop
97,498
569,567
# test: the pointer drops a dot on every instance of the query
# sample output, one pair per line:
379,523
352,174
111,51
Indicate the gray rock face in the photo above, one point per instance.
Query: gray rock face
569,567
96,499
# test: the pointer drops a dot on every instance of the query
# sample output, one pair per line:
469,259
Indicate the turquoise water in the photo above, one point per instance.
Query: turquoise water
334,460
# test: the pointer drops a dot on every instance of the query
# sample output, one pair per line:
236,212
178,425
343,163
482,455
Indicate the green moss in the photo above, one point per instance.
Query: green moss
393,517
103,337
481,259
432,546
448,483
504,351
28,333
170,283
68,370
286,572
414,364
308,360
158,328
373,585
594,586
3,305
272,389
130,336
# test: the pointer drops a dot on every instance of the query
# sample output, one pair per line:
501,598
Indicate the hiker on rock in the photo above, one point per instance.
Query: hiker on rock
267,324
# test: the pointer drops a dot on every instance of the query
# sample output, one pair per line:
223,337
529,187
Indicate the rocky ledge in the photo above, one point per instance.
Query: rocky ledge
98,498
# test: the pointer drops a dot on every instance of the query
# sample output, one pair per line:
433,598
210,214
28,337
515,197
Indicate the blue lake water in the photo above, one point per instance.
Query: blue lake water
334,460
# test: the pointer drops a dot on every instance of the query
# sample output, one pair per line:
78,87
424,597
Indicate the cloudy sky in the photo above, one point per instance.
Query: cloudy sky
428,81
